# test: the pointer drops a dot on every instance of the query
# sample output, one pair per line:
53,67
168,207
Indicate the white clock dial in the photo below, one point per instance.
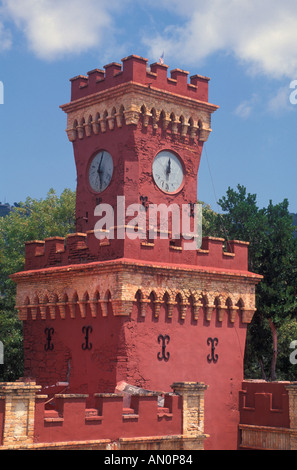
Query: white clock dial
168,172
100,171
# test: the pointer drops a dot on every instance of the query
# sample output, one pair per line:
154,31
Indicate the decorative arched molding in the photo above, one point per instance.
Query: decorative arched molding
106,301
177,121
199,297
96,124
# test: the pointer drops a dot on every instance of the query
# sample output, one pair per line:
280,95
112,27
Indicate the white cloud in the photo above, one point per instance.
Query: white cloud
280,101
54,28
262,35
5,38
245,109
274,104
5,34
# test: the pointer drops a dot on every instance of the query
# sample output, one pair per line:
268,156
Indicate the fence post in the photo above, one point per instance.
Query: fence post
193,413
19,411
292,392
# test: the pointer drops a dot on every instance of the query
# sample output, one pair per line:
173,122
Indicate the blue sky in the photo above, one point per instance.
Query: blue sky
248,49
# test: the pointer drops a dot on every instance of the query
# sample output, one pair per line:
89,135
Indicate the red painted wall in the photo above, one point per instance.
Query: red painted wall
189,350
127,349
264,404
71,420
85,248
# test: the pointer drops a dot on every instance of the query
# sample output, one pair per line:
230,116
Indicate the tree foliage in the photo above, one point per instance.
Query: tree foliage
273,254
30,220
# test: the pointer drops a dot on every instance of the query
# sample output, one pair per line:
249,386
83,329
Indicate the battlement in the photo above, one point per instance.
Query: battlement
80,248
135,69
72,419
264,404
67,418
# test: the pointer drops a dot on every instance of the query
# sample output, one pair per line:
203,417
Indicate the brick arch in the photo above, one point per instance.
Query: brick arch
240,303
36,299
167,294
107,295
195,303
34,306
64,297
141,302
107,303
155,297
164,119
153,294
96,294
47,297
139,295
154,118
73,303
121,110
88,126
208,300
95,123
86,296
220,307
227,307
167,302
74,296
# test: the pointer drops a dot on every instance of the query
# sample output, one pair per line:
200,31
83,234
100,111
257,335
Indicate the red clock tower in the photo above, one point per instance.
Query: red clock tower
104,305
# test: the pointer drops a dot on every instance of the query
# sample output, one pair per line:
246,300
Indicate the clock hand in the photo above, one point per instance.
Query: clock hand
168,169
100,163
99,171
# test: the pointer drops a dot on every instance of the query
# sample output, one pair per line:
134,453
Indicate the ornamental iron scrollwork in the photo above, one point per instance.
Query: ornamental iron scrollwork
87,330
212,357
49,334
192,209
144,202
163,356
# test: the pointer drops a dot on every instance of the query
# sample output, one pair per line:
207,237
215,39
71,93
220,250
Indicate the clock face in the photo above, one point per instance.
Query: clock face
168,172
100,171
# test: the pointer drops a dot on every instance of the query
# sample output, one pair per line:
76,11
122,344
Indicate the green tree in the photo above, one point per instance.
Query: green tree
276,294
210,221
11,335
273,254
243,220
30,220
287,334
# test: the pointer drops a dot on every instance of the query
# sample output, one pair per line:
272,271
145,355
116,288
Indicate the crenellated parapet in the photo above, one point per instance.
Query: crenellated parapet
31,420
135,94
136,69
267,415
81,248
264,403
109,417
